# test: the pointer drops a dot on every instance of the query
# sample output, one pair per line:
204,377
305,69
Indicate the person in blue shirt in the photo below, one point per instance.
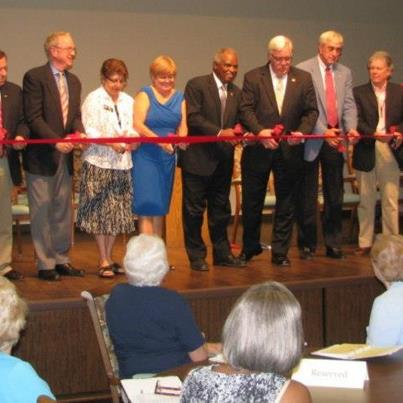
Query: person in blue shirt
386,322
152,328
19,381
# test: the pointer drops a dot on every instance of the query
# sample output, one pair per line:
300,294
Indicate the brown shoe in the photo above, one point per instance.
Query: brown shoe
362,251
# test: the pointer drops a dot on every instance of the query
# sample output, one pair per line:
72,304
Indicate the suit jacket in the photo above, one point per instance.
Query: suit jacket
204,119
367,105
43,114
346,108
13,122
259,111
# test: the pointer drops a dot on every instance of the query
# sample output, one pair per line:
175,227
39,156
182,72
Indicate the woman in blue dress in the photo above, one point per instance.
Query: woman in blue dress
159,111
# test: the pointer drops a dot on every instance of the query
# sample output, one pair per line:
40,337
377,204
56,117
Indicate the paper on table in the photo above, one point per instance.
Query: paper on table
142,390
331,373
348,351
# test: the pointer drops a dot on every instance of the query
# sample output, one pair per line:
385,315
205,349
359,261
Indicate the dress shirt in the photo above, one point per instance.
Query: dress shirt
101,120
279,86
380,94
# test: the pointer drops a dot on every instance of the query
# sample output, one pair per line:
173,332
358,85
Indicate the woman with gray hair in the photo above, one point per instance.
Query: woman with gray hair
262,342
152,328
386,321
19,381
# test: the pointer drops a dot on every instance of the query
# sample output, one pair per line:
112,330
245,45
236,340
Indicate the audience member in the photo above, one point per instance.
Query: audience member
262,342
159,111
386,321
272,95
376,159
12,126
337,116
106,188
19,381
212,110
152,328
52,111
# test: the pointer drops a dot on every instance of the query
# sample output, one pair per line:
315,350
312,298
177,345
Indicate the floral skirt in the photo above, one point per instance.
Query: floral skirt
105,201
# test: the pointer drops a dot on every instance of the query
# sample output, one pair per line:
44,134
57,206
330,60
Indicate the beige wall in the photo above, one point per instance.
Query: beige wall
191,31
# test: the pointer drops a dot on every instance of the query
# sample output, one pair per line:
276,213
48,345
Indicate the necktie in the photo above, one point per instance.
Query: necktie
380,97
223,100
331,108
2,132
64,100
279,91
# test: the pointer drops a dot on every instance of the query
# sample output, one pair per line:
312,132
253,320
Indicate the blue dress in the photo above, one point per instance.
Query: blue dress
153,168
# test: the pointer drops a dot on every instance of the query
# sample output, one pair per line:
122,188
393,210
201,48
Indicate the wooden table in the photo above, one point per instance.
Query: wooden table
385,383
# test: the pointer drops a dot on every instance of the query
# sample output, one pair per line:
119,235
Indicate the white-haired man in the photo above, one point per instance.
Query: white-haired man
337,115
273,94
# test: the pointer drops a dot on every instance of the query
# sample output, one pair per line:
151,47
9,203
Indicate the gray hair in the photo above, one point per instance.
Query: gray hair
219,54
331,36
264,331
13,312
387,258
279,42
381,54
53,39
146,261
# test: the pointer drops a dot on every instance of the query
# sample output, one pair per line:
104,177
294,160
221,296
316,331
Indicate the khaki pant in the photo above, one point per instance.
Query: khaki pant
386,176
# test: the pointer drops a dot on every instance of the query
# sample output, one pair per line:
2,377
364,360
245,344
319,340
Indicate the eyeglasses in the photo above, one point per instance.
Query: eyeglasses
116,80
285,59
68,48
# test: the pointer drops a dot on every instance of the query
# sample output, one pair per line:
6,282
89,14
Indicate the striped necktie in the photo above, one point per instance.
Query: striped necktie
64,99
223,101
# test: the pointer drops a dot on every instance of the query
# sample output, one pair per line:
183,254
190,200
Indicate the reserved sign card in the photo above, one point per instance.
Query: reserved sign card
331,373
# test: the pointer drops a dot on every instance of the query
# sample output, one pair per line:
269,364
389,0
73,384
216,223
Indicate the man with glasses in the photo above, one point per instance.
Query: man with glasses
52,111
337,115
274,94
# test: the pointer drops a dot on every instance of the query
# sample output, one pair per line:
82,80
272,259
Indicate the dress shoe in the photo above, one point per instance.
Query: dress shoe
67,269
362,251
280,260
49,275
14,275
248,255
334,253
306,253
229,261
199,265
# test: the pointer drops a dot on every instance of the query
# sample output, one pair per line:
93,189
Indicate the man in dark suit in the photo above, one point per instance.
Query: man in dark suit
52,110
12,127
276,93
378,159
212,103
333,83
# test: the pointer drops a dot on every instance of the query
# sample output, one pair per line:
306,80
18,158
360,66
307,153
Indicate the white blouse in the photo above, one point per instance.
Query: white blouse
101,119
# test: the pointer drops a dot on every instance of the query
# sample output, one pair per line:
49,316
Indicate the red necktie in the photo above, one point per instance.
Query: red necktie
2,131
331,108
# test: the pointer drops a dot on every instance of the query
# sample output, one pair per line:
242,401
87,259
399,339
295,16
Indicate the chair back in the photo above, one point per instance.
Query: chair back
96,307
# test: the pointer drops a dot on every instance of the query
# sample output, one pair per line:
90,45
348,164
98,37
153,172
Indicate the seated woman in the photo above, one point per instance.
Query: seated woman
152,328
19,381
262,342
386,321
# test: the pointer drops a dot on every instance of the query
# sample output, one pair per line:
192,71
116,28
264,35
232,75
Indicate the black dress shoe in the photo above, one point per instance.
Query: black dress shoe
229,261
248,255
67,269
199,265
49,275
14,275
280,260
334,253
306,253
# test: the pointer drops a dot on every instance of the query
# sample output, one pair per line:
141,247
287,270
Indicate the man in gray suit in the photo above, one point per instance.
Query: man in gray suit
52,111
337,116
13,127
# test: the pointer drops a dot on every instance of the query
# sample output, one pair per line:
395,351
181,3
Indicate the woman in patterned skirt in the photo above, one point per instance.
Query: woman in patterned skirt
106,190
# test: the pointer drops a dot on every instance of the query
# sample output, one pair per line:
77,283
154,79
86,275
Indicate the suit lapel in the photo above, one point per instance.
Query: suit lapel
214,95
318,81
289,90
268,86
5,99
